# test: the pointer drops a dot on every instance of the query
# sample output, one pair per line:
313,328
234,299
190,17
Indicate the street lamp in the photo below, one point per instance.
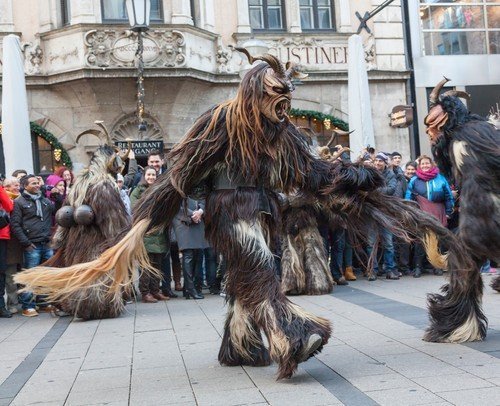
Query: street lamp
138,15
255,47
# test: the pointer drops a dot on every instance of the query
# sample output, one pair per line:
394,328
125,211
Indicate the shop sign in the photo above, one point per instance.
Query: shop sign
141,148
401,116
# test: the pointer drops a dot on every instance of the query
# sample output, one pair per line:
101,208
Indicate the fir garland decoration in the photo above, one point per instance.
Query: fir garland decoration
53,141
311,114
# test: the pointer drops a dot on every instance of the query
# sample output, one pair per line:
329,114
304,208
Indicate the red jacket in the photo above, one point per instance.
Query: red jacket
8,206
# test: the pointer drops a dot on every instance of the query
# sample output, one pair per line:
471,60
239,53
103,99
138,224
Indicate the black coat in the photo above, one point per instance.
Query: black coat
27,227
190,235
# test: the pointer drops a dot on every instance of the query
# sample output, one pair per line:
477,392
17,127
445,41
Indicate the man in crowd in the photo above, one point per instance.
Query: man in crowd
31,224
381,163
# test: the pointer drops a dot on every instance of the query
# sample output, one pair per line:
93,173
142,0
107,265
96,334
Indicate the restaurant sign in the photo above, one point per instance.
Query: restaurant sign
141,148
401,116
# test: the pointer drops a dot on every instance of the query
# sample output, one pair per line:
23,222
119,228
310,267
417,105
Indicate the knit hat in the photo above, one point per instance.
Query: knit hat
395,153
383,157
52,180
120,178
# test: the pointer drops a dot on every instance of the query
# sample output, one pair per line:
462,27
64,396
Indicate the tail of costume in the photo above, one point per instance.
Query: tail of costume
100,283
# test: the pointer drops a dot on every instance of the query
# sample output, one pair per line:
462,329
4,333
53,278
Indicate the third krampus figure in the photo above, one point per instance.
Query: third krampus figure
467,150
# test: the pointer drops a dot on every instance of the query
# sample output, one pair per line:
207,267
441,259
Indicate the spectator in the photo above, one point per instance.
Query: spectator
396,159
155,160
410,170
156,245
381,164
14,250
55,190
133,168
67,176
190,234
31,224
19,173
433,194
7,206
120,182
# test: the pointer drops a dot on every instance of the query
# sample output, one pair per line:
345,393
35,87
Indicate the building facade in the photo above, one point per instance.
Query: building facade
80,65
459,40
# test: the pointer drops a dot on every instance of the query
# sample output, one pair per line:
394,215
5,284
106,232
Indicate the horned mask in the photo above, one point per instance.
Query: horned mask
277,86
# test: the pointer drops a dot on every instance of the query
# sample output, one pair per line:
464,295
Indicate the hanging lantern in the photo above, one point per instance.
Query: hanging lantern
57,154
327,123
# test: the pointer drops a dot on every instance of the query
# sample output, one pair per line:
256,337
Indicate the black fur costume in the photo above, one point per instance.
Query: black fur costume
467,150
242,152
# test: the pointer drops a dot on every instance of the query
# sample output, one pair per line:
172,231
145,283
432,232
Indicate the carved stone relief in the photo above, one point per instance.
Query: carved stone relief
33,58
126,129
369,47
110,48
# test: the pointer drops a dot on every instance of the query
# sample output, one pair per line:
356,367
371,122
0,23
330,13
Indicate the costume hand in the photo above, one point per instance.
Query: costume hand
196,217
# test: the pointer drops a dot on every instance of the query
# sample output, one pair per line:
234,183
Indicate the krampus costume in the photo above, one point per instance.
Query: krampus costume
242,152
93,219
467,150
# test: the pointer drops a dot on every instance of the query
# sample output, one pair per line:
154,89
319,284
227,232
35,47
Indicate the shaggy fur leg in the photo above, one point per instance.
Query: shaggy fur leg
258,298
293,277
495,284
456,316
242,343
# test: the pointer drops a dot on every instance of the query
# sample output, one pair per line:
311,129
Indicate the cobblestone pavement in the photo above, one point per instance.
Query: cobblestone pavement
166,354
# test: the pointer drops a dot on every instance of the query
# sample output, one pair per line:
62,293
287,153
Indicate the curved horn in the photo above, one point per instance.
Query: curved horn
342,132
96,133
457,93
251,59
339,153
330,141
292,70
273,62
434,96
125,154
105,131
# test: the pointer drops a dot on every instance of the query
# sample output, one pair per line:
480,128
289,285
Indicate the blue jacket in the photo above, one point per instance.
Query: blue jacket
436,190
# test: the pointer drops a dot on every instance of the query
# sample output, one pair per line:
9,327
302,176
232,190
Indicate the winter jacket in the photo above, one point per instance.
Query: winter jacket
401,182
436,190
26,225
7,205
390,182
190,235
155,243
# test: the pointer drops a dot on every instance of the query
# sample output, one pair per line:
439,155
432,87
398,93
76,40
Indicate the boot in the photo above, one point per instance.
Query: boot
160,296
4,313
192,293
417,273
341,281
167,291
349,274
188,263
148,298
392,275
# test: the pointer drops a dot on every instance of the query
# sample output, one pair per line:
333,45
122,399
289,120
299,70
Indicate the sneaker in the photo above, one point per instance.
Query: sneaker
13,309
341,281
46,309
30,312
222,293
313,343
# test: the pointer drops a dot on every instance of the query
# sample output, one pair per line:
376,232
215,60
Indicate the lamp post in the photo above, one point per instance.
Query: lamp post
255,47
138,15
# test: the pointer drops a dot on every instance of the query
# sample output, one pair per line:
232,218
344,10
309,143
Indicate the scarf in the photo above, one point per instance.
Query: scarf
37,199
429,175
12,195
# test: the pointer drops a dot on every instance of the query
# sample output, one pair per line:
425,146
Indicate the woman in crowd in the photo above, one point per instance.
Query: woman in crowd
156,245
432,192
55,190
68,177
6,205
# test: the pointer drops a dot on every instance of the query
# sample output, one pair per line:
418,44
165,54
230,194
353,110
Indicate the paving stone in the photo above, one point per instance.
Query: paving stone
381,382
230,397
115,396
458,382
414,395
473,397
485,371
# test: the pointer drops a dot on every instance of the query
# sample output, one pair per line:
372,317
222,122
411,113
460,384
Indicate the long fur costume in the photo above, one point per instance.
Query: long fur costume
467,150
94,187
304,261
251,140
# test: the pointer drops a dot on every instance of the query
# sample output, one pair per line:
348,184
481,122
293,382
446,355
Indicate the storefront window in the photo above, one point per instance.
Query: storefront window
266,14
464,27
115,11
43,154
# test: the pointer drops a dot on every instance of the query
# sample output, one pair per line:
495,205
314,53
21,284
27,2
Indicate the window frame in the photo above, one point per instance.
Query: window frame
266,18
484,4
104,20
315,10
65,12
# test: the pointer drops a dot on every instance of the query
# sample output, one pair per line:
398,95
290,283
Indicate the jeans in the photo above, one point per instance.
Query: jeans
32,258
337,252
210,267
388,248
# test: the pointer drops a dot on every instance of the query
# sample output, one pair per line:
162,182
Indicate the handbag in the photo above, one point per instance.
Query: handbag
4,218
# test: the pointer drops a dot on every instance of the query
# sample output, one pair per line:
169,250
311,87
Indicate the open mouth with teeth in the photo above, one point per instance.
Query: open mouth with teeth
282,108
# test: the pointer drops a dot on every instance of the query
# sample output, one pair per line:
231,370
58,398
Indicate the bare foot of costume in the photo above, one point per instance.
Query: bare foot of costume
241,152
467,150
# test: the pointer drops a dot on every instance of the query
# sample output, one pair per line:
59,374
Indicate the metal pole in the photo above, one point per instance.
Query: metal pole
140,83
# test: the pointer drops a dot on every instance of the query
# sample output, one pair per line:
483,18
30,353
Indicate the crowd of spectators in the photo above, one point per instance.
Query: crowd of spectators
30,202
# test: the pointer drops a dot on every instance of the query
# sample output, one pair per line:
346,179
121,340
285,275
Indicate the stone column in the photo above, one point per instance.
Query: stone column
181,12
6,16
208,13
293,16
243,17
344,19
85,11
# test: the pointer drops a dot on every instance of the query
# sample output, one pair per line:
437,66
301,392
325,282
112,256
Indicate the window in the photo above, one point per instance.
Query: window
43,155
460,27
65,14
316,14
266,14
115,11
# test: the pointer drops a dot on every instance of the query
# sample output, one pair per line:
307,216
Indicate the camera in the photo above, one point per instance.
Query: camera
49,188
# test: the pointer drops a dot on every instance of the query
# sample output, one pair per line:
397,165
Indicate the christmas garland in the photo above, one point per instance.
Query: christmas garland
327,120
53,141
